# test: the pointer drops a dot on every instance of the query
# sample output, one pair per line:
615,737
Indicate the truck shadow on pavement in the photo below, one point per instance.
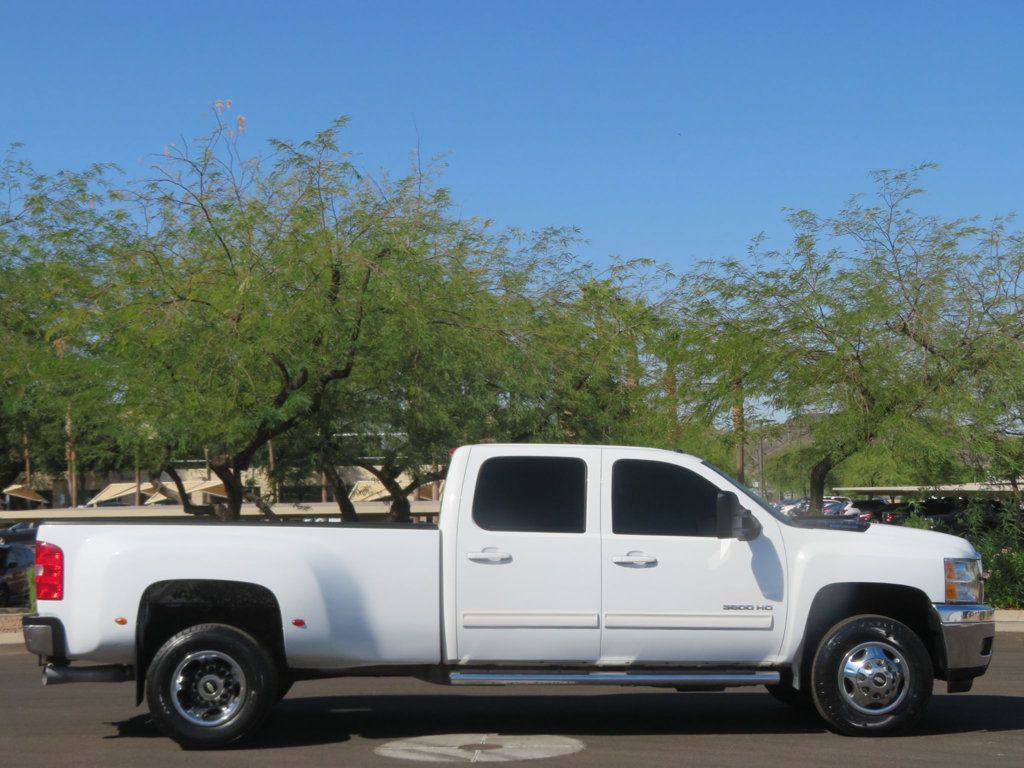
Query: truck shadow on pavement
299,722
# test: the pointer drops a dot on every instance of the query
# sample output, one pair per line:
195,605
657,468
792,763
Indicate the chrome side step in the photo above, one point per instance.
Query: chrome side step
694,679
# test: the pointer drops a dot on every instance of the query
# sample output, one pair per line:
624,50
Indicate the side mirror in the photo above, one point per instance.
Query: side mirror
734,520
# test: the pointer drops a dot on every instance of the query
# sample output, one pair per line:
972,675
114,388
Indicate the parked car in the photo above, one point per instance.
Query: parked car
845,501
15,564
795,507
867,510
934,510
946,513
833,508
19,533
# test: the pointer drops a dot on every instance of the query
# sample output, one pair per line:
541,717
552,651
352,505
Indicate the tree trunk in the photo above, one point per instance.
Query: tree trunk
819,472
231,478
738,429
401,510
28,459
340,491
270,471
200,510
69,455
261,504
763,490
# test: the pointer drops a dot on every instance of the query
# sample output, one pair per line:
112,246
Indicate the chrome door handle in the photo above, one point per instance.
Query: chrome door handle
635,559
489,556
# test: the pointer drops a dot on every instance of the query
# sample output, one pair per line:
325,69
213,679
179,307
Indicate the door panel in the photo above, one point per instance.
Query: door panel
672,592
530,595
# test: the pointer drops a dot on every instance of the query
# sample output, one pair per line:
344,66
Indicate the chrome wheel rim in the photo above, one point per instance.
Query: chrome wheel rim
874,678
208,688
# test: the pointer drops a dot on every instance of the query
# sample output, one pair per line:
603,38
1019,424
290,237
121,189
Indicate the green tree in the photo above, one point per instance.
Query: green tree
877,317
259,286
56,233
264,296
731,344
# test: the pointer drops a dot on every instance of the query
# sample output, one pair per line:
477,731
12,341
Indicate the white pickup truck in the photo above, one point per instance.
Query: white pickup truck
551,564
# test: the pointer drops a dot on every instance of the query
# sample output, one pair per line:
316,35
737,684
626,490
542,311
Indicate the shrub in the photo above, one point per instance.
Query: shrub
1002,551
31,589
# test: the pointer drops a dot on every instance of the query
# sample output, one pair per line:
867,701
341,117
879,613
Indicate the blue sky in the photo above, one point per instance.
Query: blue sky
669,130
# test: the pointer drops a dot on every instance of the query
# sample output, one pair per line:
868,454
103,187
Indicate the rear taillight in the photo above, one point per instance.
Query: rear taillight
49,571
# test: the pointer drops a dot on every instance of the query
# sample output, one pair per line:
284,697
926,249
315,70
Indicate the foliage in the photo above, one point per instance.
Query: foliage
266,296
917,520
1005,587
881,331
1001,547
236,300
30,578
56,234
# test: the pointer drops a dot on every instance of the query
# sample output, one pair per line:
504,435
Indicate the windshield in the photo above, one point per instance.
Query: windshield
751,493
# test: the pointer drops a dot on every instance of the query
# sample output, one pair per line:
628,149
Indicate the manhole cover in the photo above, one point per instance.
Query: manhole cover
478,748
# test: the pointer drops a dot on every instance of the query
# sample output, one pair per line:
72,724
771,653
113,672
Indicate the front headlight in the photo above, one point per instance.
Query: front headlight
963,580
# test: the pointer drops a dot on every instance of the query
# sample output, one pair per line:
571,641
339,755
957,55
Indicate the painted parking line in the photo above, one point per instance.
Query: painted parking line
478,748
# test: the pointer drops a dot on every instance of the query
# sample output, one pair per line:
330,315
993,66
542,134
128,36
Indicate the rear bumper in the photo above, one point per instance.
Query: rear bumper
966,633
44,636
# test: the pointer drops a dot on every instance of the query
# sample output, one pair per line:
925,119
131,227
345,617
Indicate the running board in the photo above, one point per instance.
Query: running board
694,679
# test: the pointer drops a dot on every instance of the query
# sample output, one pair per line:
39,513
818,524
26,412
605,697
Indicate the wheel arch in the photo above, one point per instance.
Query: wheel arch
167,607
836,602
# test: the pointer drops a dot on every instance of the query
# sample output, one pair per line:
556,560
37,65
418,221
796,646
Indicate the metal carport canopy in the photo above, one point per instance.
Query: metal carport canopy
962,489
23,492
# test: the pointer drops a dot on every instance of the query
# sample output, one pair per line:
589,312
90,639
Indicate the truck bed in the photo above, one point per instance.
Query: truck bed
350,595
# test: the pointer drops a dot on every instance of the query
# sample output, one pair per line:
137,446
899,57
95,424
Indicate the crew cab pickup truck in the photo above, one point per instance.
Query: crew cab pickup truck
560,564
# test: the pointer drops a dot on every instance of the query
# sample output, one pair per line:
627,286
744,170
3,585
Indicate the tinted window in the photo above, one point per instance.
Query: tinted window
531,493
651,498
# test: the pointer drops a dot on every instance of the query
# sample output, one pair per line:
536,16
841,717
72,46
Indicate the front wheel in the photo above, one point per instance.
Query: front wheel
872,676
210,686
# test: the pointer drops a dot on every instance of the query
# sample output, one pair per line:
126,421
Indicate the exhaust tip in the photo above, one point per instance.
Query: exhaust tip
107,673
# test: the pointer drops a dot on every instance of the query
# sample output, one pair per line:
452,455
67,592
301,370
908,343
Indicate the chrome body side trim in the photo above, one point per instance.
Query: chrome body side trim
687,621
695,679
961,613
477,619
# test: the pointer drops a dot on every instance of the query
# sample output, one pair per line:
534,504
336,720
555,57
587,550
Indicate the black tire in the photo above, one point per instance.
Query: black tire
210,686
5,595
872,676
790,696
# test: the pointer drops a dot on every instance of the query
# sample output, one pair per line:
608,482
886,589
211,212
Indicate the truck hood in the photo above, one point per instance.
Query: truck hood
940,543
879,537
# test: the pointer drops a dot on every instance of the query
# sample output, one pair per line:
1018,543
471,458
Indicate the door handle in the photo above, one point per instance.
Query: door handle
635,559
489,556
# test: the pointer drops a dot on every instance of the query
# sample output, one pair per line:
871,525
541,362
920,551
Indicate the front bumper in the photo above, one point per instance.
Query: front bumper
965,632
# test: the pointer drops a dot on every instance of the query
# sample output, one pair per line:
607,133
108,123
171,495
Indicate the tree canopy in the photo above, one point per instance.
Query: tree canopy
231,302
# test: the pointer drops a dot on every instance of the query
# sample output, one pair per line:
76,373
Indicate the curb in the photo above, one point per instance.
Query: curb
1009,621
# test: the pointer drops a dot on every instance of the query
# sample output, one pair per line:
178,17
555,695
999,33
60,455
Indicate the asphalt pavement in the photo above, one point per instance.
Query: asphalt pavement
376,722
